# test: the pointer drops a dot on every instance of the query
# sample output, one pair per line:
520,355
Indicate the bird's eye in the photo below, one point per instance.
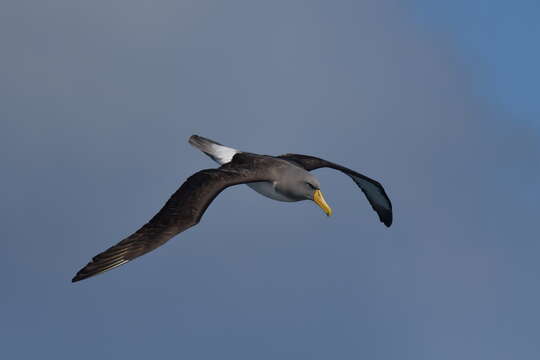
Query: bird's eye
312,186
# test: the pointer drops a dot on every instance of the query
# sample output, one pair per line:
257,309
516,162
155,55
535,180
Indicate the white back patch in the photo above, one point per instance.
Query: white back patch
222,154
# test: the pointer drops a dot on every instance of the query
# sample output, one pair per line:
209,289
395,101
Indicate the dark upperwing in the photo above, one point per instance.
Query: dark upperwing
373,190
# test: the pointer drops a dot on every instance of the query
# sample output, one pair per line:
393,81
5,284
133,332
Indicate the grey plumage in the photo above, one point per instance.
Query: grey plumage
373,190
284,178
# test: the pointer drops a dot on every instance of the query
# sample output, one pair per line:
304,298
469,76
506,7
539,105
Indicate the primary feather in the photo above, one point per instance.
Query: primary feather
284,178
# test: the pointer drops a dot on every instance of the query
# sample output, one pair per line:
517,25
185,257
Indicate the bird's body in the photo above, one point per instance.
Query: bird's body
267,189
282,178
223,154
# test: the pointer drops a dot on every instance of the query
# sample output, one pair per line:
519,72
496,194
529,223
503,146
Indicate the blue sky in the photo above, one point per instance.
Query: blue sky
496,40
436,101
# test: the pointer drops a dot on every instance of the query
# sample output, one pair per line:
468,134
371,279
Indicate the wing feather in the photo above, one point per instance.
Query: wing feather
183,210
373,190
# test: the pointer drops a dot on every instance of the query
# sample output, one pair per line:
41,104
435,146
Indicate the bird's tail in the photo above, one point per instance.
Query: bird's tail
219,153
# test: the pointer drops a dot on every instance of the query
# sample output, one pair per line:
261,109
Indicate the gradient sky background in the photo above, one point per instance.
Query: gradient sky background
437,100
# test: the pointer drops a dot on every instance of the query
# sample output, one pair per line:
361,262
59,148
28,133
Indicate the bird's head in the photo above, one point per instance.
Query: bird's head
305,187
314,193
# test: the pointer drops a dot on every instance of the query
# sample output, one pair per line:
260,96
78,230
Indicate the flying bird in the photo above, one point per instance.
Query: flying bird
282,178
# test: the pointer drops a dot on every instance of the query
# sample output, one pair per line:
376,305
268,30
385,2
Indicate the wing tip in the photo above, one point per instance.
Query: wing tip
87,271
385,216
80,275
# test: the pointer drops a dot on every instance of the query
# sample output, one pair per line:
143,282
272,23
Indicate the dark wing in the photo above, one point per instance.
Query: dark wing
373,190
183,210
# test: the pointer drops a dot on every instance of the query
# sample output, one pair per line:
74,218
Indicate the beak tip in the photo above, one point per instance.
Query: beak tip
319,199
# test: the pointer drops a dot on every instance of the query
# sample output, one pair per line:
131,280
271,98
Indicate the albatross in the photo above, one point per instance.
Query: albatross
282,178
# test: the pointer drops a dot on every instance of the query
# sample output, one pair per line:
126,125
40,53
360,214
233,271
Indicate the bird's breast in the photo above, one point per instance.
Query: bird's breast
267,189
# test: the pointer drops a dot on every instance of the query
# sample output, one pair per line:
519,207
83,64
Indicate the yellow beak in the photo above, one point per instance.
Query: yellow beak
319,199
